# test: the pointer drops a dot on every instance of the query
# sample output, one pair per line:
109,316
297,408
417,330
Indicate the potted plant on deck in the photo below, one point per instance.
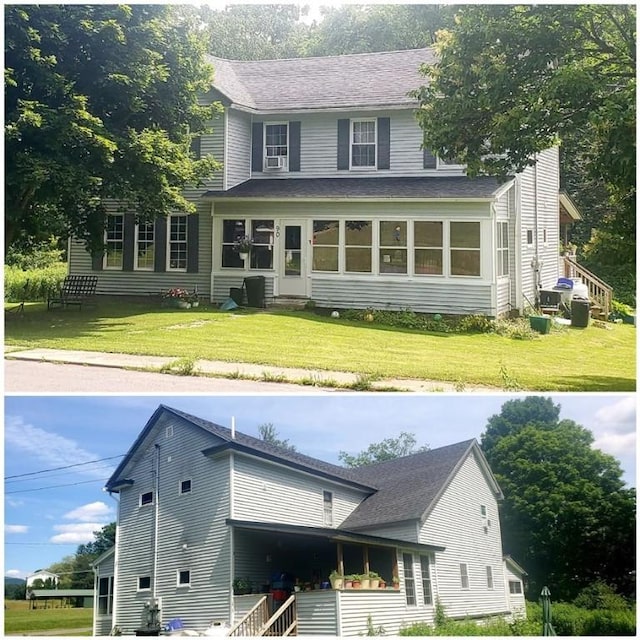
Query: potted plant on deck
336,579
374,580
241,586
178,297
395,581
243,246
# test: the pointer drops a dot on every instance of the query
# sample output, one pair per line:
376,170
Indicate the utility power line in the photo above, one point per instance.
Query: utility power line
78,464
53,486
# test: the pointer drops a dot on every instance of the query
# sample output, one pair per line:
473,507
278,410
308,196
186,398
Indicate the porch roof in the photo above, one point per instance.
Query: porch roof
483,188
335,535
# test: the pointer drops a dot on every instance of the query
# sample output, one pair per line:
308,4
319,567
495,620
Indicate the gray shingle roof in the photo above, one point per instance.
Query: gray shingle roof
356,80
407,487
483,187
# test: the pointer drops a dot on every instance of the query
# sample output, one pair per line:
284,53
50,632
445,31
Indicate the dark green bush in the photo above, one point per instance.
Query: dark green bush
34,284
39,256
600,595
569,620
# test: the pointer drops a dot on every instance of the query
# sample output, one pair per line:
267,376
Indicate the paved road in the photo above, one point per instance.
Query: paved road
34,377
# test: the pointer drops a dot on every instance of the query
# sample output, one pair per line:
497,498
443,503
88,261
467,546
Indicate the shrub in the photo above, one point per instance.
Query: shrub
39,256
570,620
600,595
475,324
34,284
518,329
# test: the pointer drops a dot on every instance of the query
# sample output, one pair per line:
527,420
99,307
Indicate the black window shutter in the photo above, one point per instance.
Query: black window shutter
294,146
384,143
195,147
256,146
129,245
428,159
193,222
343,144
160,242
97,261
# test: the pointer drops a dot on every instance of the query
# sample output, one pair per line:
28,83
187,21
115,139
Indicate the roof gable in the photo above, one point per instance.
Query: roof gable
345,81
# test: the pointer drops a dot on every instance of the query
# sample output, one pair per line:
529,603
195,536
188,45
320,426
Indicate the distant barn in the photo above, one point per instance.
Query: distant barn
58,598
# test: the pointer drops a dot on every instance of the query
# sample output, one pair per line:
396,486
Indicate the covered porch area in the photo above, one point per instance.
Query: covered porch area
281,580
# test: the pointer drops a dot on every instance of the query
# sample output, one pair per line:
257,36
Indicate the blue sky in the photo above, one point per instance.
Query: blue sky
45,432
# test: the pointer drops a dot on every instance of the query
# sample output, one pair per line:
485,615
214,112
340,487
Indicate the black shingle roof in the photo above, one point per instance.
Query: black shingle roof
483,187
355,80
408,486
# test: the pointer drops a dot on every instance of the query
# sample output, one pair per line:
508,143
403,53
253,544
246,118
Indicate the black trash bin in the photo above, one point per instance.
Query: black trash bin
237,295
254,286
579,312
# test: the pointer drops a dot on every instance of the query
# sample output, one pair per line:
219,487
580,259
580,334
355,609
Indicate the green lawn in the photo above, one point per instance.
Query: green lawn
20,620
570,359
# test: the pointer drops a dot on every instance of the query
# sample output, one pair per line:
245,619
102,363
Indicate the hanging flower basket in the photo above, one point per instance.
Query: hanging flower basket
243,246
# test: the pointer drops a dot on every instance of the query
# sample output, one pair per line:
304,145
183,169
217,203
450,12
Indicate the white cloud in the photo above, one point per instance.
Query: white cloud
16,528
79,533
14,503
91,512
15,573
51,449
615,427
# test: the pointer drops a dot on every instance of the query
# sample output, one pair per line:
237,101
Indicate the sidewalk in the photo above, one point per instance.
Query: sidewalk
234,370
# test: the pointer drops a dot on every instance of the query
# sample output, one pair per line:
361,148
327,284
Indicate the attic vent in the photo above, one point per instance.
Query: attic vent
169,431
273,162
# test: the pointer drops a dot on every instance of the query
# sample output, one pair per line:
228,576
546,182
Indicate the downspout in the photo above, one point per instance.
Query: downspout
115,566
536,257
494,259
213,251
157,521
232,612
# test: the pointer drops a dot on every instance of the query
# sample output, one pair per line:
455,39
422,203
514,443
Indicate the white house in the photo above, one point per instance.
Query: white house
203,508
42,575
323,168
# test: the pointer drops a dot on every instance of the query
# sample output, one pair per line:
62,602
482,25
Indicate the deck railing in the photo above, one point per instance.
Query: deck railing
599,292
284,622
255,620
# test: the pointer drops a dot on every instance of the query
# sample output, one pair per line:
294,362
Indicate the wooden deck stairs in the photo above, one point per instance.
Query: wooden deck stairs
258,622
600,293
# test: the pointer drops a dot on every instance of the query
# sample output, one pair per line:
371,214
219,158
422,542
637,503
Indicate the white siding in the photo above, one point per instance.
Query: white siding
259,490
407,531
457,524
102,623
317,613
238,151
516,600
192,532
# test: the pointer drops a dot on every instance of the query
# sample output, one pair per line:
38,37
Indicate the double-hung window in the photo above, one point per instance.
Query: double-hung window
363,143
262,233
409,580
327,500
114,241
503,248
145,253
426,580
428,248
276,140
326,244
464,576
393,247
105,596
358,246
489,577
177,243
465,248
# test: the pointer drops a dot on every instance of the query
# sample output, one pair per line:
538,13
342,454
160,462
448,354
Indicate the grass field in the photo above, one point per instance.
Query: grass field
20,620
568,359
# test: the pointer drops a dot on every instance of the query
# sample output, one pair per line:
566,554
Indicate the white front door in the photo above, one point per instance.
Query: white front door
293,258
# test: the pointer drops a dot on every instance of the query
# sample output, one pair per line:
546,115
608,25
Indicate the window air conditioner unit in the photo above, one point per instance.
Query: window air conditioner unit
274,162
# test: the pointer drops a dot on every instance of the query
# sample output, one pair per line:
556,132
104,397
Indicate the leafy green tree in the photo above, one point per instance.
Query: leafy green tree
100,102
387,449
15,591
514,80
567,516
269,434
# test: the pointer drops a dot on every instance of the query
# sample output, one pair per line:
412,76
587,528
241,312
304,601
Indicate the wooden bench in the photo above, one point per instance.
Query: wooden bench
75,291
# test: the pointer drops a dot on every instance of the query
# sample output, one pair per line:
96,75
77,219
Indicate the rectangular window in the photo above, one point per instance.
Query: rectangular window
276,137
185,486
483,510
503,248
146,498
489,578
393,247
326,242
144,583
428,248
464,576
262,233
327,499
529,237
145,253
515,586
363,143
177,239
184,578
114,241
169,431
465,248
409,581
105,596
358,244
232,230
426,579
